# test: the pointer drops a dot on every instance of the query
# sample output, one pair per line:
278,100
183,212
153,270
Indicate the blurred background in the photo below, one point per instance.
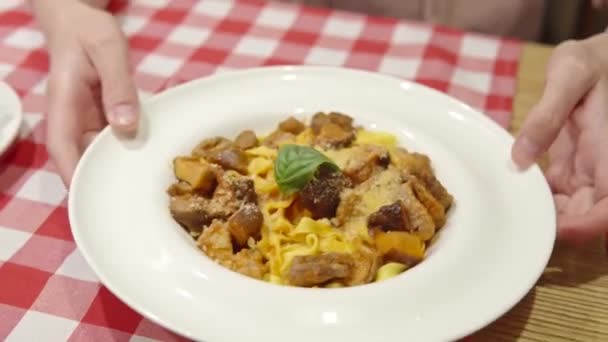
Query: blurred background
571,19
546,21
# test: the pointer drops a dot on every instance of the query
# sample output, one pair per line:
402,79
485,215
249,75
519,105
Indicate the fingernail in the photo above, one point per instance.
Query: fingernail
528,152
124,114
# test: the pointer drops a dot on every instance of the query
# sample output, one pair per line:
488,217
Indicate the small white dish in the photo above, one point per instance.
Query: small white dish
11,117
495,246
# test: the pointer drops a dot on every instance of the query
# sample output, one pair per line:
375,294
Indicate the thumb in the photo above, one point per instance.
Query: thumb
118,92
568,81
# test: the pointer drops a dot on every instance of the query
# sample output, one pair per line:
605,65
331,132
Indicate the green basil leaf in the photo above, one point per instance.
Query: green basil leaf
296,165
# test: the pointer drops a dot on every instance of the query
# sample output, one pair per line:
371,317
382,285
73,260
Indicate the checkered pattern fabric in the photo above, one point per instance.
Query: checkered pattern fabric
47,292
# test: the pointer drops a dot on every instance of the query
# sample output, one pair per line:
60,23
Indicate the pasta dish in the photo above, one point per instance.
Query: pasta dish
321,203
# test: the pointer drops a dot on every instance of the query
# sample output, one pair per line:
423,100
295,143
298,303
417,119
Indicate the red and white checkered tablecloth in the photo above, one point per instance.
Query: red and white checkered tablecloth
47,292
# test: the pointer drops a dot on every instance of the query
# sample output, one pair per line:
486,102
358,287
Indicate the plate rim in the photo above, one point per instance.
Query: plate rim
476,115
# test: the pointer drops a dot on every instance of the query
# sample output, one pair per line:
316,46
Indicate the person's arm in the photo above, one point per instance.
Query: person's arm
574,68
48,11
90,82
571,122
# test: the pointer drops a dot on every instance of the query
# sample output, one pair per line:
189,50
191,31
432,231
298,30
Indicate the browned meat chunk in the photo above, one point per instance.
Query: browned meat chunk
215,242
223,152
189,212
278,138
437,189
231,158
292,125
382,189
236,187
366,264
179,189
318,121
419,165
422,224
250,263
246,140
334,136
341,120
321,195
432,205
367,198
333,130
200,175
312,270
245,223
364,161
348,210
211,146
194,212
390,217
321,119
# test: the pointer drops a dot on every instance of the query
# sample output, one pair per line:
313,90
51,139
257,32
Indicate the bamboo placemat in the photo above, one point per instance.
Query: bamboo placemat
570,301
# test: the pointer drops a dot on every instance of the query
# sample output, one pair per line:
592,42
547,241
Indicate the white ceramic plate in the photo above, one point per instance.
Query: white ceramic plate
11,116
497,241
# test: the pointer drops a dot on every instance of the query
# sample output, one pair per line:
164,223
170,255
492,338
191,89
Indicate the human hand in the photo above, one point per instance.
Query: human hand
571,123
89,84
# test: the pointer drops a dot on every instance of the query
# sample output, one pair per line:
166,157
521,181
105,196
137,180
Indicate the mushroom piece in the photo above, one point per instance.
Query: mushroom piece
245,223
246,140
321,196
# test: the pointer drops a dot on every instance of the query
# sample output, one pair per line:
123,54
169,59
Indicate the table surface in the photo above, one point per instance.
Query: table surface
54,296
570,301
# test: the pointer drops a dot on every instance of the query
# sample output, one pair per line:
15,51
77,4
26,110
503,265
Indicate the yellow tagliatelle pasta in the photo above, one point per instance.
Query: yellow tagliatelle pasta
390,270
259,166
365,137
263,151
306,137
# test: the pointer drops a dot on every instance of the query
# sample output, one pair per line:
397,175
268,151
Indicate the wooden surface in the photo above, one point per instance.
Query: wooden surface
570,301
